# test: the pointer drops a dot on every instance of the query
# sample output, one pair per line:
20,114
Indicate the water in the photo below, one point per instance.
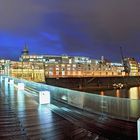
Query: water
131,93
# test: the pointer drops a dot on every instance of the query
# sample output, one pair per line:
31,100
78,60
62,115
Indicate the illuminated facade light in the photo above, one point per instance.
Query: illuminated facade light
20,86
37,67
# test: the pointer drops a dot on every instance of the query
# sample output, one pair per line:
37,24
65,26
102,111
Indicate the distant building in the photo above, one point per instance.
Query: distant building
25,57
131,66
28,70
39,67
67,66
4,66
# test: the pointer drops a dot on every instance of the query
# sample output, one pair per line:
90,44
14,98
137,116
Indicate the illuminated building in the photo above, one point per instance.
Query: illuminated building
4,66
28,70
67,66
131,66
39,67
59,65
52,59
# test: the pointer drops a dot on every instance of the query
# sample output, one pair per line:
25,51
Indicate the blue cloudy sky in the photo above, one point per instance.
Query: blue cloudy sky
76,27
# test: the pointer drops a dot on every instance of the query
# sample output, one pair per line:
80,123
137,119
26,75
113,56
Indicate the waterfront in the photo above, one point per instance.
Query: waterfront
35,118
131,93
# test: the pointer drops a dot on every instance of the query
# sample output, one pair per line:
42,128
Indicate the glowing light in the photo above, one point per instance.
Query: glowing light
11,82
64,97
102,93
133,93
44,97
118,93
134,106
20,86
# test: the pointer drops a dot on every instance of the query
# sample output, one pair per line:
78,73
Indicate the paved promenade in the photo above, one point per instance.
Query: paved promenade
22,118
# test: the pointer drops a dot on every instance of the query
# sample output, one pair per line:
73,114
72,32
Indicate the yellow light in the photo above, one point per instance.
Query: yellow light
133,93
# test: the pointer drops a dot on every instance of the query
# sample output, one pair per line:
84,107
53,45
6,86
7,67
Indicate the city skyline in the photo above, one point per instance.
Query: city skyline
92,29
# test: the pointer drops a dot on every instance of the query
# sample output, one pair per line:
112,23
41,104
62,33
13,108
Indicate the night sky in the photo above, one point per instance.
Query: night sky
92,28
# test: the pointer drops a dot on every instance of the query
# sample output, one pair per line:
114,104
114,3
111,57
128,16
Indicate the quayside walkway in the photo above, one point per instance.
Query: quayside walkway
23,118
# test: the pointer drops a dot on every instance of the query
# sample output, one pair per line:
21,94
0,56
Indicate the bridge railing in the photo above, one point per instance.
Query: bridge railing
115,107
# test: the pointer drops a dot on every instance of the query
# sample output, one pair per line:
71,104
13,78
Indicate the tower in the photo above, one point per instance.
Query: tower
25,50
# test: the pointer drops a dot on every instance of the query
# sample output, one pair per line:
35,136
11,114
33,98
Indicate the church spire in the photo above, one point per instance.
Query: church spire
25,50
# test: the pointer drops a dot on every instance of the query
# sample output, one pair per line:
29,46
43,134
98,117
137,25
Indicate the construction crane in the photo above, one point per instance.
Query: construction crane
123,61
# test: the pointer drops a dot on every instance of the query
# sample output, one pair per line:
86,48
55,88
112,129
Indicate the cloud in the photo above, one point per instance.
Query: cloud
91,28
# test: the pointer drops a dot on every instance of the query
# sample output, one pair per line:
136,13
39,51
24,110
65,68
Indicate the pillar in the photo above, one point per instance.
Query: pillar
44,97
11,82
1,78
20,86
6,80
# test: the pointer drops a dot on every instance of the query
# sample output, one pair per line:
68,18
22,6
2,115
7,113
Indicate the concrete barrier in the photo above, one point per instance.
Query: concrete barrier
11,82
6,80
44,97
20,86
1,78
138,127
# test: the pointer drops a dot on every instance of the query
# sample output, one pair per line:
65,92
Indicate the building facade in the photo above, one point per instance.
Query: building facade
38,67
131,66
68,66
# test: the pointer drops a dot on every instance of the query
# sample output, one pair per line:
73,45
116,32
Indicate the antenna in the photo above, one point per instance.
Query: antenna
122,56
123,62
121,53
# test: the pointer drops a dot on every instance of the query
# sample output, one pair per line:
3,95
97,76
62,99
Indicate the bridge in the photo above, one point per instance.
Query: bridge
30,110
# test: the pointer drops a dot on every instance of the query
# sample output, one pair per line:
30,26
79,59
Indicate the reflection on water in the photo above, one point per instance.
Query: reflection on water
117,93
132,106
20,97
132,93
102,93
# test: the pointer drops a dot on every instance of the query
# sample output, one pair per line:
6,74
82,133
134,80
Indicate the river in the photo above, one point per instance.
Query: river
131,93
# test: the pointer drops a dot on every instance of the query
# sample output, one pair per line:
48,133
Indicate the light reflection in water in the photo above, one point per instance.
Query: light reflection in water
20,98
133,93
11,90
6,87
117,93
102,93
131,107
